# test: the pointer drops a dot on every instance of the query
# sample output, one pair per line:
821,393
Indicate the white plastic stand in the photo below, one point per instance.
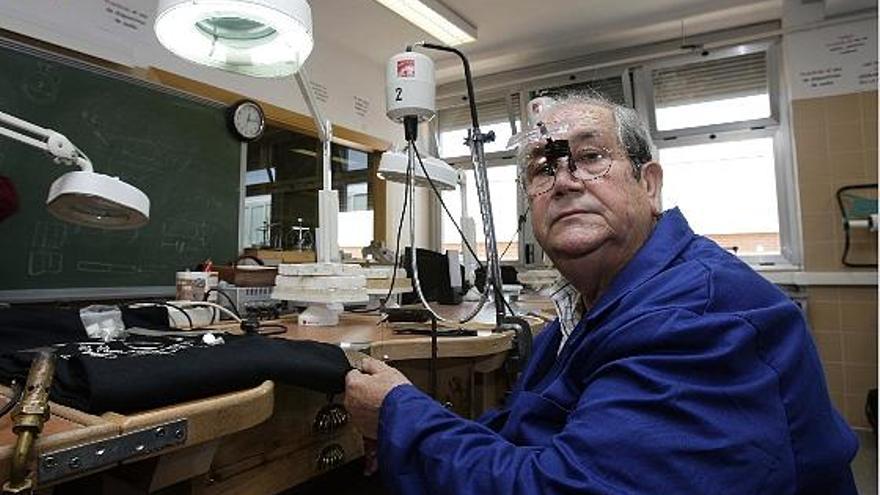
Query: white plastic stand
320,315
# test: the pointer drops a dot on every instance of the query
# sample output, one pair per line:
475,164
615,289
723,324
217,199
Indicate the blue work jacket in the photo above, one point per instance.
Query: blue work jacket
690,375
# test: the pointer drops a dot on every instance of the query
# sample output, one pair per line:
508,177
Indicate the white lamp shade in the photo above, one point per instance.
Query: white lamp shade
97,200
392,167
262,38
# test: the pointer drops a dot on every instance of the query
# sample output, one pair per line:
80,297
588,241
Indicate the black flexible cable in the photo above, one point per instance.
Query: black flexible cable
396,252
406,202
440,198
169,305
469,81
178,308
472,101
466,243
228,299
279,329
520,221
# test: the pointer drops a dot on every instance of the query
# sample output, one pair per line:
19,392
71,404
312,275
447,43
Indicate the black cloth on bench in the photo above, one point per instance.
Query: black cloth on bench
147,372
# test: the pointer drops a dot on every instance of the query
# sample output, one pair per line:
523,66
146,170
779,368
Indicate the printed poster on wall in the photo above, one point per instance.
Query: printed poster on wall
833,60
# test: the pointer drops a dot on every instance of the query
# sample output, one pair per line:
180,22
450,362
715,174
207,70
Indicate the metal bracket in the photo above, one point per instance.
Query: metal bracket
59,464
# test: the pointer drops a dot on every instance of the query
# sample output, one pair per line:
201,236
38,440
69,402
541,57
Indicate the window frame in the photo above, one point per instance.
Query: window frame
577,77
309,148
774,126
638,91
644,84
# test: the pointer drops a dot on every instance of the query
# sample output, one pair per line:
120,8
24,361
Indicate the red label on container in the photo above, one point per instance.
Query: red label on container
406,68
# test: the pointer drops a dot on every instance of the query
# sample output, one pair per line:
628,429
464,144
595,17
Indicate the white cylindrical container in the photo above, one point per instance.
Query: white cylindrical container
409,87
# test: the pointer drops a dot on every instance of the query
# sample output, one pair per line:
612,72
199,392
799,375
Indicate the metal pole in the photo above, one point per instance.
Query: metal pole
493,269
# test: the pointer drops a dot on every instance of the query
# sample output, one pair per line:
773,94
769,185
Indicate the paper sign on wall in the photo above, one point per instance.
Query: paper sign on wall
834,60
361,106
120,15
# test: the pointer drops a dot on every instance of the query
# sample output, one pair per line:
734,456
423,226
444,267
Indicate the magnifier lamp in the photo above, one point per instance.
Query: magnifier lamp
269,38
83,197
259,38
393,165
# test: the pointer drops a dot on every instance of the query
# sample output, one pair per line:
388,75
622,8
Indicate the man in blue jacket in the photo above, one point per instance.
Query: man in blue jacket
673,368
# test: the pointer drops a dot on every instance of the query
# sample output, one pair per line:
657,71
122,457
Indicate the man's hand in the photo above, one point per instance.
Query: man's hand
366,389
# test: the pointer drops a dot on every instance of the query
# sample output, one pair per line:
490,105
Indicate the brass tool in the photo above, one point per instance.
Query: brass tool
28,419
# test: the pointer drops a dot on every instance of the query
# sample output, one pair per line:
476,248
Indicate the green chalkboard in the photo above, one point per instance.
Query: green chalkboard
174,147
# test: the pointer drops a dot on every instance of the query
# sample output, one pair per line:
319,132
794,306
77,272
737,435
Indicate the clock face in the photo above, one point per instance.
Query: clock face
248,120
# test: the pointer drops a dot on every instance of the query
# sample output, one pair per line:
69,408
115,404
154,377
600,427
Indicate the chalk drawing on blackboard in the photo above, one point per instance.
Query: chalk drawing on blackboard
101,267
185,235
44,262
141,159
48,235
43,85
154,268
93,120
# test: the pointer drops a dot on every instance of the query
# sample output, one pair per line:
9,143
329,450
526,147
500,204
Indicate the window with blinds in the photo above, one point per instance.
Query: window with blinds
709,92
496,115
610,88
489,112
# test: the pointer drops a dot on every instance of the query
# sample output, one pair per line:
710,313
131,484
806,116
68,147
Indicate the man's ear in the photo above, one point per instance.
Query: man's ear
652,182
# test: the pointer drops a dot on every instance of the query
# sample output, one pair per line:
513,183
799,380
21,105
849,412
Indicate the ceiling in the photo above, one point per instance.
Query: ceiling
514,34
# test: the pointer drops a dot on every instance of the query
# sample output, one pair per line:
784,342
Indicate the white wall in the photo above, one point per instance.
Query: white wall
121,31
90,27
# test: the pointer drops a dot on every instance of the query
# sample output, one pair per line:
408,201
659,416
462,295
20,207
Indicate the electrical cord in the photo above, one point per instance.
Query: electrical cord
520,221
407,202
382,302
167,305
185,314
208,304
414,264
443,204
254,327
466,243
228,299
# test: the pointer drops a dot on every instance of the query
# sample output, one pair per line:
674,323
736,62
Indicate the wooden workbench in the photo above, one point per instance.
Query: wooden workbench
264,440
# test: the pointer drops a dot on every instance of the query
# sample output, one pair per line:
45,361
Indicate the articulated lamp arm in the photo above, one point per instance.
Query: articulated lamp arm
83,197
55,143
328,200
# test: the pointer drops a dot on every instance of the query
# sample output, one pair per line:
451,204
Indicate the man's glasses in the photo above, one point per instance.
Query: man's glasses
586,164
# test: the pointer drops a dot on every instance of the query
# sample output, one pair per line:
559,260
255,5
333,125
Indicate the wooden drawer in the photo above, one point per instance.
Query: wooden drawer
283,468
283,451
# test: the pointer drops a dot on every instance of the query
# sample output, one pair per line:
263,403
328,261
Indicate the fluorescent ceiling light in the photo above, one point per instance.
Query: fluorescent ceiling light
262,38
392,167
434,18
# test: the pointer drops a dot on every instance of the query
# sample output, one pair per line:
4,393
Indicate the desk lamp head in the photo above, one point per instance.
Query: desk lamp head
97,200
83,197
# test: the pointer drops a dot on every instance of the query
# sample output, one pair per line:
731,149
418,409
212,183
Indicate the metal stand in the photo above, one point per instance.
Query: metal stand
327,245
476,140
